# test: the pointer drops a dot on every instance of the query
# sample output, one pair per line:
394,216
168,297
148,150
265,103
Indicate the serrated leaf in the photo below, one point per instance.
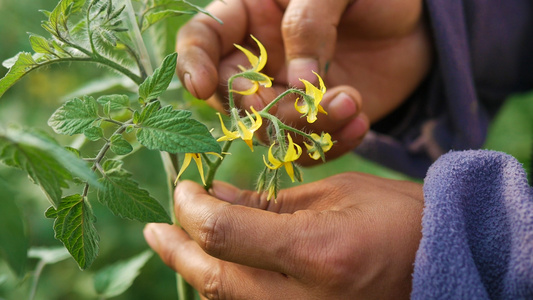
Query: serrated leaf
49,255
41,167
136,117
93,133
57,19
118,277
74,116
123,196
115,101
24,63
147,111
112,165
119,145
74,227
47,163
13,238
158,82
167,130
40,44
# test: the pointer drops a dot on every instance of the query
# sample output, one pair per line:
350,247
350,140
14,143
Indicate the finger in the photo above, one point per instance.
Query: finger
202,42
345,140
212,278
309,31
233,232
342,104
312,196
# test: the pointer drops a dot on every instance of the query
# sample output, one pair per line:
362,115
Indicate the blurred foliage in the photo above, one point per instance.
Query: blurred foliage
35,97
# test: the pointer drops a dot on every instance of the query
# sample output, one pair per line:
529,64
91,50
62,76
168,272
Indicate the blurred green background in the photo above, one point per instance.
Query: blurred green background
36,96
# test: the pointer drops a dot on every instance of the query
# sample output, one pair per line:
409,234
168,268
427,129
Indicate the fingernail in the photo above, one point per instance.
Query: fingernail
150,235
188,84
225,191
341,107
301,68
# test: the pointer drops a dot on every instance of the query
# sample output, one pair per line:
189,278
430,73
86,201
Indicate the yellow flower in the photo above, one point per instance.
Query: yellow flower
198,160
293,153
312,109
246,133
254,74
324,141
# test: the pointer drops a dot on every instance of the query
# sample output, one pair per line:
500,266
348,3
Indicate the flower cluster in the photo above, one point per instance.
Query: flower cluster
283,152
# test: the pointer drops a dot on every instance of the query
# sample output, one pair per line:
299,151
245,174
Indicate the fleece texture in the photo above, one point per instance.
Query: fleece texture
477,229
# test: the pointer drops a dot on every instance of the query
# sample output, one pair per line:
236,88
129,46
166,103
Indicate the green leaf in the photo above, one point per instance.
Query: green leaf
49,255
116,102
74,116
74,227
13,238
23,65
169,130
57,19
158,82
119,145
118,277
47,163
172,8
40,44
93,133
123,196
152,17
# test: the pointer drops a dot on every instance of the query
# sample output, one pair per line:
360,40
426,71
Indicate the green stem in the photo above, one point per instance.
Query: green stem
213,167
101,154
280,96
185,291
36,277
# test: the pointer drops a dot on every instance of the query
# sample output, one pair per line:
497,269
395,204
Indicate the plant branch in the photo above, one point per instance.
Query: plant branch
36,277
213,167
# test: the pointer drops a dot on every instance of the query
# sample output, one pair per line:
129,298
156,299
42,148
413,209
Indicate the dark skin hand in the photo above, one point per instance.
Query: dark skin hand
350,236
371,54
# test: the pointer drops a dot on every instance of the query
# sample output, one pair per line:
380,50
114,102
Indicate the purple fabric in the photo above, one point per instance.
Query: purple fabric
477,229
484,52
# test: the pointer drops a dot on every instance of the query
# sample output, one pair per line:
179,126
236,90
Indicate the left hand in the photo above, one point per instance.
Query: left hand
350,236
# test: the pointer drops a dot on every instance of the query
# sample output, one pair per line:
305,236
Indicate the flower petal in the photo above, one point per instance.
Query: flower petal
276,164
254,60
290,170
184,165
198,160
228,135
250,91
262,55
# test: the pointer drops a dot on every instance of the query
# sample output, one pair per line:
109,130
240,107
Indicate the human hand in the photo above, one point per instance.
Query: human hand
350,236
381,48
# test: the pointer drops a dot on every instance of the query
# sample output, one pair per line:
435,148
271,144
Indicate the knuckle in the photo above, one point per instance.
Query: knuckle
212,237
213,284
298,23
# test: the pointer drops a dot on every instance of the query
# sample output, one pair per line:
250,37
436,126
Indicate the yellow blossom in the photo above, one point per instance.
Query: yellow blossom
254,74
198,160
246,133
293,153
312,109
324,141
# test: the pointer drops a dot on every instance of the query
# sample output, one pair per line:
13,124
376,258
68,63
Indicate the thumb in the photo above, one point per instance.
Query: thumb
309,30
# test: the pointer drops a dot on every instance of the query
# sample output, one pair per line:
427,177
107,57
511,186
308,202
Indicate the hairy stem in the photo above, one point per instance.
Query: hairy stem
213,167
